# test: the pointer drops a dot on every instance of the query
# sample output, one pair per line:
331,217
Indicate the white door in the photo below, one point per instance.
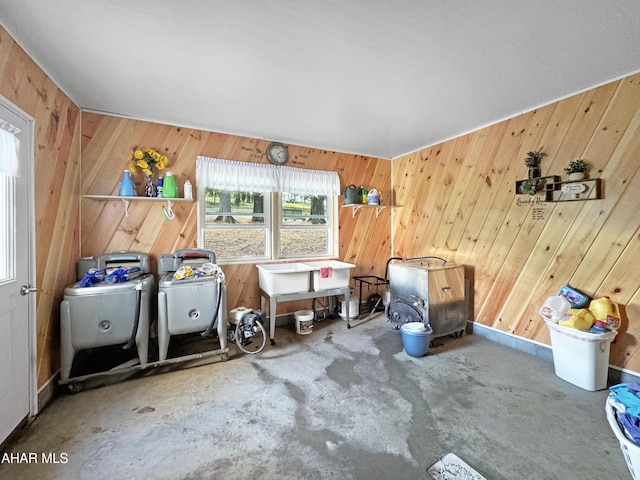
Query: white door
17,297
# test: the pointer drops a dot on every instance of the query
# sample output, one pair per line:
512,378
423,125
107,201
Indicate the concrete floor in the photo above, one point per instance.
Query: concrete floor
337,404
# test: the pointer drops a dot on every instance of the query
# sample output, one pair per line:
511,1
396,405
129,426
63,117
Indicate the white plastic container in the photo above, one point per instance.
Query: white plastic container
581,358
235,315
284,278
554,307
328,274
630,450
414,327
188,190
373,197
304,321
354,307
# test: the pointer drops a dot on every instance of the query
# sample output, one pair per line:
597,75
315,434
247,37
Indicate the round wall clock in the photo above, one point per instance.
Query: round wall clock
277,153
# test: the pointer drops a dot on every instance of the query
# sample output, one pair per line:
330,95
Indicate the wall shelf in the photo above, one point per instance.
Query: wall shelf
127,201
355,207
542,184
587,189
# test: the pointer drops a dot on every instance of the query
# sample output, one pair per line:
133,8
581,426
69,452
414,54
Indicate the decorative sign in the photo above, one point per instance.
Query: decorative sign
575,188
536,204
530,201
255,152
537,213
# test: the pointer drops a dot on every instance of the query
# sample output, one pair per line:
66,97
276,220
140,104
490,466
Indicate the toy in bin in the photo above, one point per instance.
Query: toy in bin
578,318
576,298
568,309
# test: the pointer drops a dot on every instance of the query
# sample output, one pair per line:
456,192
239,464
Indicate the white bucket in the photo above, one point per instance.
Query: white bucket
304,322
354,308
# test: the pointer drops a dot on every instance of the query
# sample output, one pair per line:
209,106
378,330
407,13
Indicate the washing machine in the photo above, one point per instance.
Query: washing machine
191,297
109,305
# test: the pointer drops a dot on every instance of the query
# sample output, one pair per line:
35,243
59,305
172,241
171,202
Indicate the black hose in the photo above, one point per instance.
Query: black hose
209,329
428,256
386,269
136,319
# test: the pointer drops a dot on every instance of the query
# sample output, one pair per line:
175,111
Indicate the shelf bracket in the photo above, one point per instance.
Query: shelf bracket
168,212
126,206
355,208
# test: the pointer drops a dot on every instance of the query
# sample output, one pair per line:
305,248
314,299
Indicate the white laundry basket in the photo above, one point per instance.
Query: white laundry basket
630,450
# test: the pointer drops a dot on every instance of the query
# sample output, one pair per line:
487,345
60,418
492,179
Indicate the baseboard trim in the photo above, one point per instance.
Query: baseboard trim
47,392
540,350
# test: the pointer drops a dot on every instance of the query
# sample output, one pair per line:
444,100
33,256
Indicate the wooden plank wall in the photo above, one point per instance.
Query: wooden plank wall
57,190
106,143
460,203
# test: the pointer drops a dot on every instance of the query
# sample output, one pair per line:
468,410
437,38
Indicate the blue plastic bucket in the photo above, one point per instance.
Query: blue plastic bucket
416,343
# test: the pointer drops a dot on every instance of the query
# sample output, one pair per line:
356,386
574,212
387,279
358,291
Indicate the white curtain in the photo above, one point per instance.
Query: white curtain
8,149
254,177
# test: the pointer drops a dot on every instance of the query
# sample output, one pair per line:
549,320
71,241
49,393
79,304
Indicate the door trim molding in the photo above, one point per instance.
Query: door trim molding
29,123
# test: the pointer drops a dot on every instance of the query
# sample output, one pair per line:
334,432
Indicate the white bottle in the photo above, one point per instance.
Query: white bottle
188,190
554,307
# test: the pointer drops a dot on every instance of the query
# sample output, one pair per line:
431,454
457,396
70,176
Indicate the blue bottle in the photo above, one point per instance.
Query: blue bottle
126,185
159,187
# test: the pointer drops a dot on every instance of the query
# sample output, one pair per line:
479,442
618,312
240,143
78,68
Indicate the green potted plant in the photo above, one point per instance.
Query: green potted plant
529,186
577,169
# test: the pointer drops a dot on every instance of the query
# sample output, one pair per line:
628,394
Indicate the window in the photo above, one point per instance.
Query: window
305,225
254,212
236,224
7,228
9,166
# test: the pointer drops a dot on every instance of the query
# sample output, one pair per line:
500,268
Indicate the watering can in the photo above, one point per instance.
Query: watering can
351,195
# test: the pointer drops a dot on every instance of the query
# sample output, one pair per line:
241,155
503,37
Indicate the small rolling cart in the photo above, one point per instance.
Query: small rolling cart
374,302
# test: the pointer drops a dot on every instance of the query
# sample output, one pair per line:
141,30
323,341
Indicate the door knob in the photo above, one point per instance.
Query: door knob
26,289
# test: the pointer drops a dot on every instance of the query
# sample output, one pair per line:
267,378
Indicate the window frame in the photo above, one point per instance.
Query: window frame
331,226
273,227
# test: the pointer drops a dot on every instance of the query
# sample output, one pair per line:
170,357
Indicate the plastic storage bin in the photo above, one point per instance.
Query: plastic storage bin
581,358
284,278
329,274
630,450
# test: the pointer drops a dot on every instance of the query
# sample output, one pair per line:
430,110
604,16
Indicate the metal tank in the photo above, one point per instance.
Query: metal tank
429,290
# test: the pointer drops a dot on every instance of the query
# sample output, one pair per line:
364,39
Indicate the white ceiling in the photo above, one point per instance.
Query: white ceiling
373,77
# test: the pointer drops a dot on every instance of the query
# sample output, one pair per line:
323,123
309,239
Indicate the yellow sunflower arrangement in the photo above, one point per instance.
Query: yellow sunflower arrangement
146,159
